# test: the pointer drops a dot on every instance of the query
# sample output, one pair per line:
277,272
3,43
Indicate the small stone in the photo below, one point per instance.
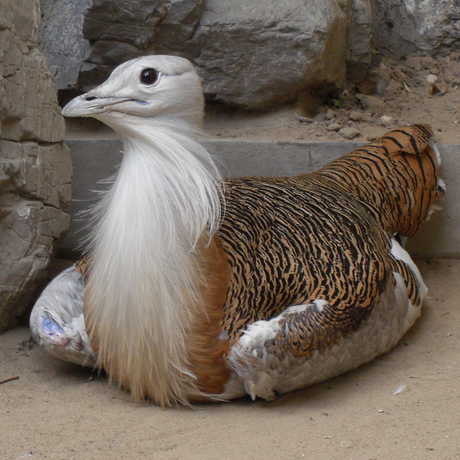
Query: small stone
334,127
346,444
349,132
432,79
371,103
356,116
302,119
386,120
320,117
330,114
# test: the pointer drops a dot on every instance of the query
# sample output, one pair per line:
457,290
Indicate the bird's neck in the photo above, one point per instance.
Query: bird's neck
144,292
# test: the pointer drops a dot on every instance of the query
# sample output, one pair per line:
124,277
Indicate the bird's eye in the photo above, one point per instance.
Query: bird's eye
149,76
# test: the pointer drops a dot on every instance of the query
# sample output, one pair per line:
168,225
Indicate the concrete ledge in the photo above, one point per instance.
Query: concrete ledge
95,160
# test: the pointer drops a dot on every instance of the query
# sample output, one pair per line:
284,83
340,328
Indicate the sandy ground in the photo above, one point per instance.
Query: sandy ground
59,411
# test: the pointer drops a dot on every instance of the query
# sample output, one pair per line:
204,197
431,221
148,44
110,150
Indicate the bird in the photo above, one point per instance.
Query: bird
197,288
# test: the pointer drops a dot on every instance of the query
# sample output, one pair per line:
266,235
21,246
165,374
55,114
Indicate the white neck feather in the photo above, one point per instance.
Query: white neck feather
144,282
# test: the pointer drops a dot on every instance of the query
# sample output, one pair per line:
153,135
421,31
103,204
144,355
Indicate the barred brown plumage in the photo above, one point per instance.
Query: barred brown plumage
327,236
299,279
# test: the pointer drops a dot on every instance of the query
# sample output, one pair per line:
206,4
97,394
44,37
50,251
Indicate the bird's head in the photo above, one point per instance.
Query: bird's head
143,89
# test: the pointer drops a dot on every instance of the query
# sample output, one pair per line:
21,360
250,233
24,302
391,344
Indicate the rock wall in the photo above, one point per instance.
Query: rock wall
254,54
35,168
121,30
62,40
250,54
404,27
99,34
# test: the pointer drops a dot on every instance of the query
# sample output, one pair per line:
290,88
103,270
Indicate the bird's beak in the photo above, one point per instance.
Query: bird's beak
88,105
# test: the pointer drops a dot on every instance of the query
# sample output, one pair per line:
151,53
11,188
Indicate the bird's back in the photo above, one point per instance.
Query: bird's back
292,240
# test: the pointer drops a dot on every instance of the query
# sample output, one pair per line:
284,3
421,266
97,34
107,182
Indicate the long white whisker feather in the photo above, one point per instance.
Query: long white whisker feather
144,269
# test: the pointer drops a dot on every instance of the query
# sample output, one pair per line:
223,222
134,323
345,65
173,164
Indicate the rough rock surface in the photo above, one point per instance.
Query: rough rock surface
250,54
121,30
360,39
404,27
257,53
61,37
35,169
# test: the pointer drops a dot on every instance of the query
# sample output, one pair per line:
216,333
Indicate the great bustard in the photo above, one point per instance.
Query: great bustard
196,288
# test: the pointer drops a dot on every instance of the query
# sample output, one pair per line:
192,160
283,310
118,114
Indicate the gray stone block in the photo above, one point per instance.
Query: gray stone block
254,54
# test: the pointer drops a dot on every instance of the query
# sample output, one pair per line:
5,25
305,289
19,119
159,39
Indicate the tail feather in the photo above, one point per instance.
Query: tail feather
398,175
412,140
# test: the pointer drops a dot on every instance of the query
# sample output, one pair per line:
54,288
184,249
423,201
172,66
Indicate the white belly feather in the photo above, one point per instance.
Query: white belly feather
57,322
